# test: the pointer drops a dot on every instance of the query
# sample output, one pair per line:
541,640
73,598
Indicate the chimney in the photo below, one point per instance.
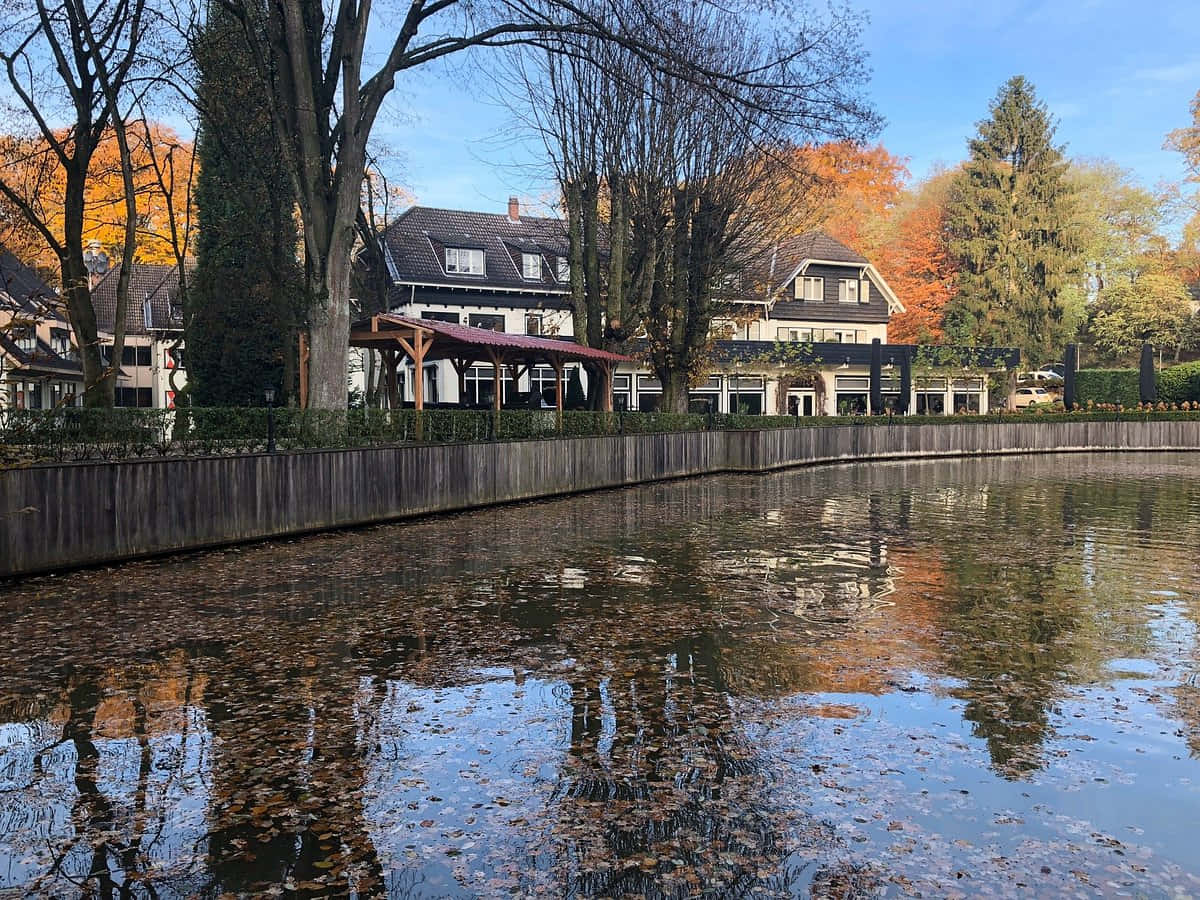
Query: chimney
514,209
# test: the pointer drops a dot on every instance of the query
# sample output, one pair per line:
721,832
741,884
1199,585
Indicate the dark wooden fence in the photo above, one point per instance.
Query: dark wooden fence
61,516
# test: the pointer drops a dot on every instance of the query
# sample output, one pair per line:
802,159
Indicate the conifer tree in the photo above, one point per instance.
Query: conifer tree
248,286
1012,231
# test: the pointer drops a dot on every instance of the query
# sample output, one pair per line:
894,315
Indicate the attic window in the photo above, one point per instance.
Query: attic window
809,288
461,261
531,266
564,270
848,290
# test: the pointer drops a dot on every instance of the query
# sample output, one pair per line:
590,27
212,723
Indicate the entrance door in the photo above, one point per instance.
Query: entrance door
801,403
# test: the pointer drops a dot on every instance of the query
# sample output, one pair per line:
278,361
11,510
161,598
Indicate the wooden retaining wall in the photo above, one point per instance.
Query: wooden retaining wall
64,516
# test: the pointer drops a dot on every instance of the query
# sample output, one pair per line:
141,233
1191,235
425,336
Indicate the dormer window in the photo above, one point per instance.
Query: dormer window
531,266
808,288
26,339
848,290
564,270
462,261
60,341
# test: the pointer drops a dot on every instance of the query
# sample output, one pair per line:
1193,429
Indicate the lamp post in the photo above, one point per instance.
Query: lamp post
269,394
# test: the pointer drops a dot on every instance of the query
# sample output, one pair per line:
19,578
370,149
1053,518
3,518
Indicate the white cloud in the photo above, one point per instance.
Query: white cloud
1180,72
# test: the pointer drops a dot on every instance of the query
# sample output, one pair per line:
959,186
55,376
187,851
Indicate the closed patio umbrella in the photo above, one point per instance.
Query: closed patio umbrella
1146,387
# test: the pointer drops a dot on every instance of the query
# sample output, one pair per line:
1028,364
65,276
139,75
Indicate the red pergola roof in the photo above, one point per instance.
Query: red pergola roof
456,341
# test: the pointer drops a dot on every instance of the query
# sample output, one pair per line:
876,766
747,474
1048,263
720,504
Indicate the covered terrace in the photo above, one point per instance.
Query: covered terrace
429,340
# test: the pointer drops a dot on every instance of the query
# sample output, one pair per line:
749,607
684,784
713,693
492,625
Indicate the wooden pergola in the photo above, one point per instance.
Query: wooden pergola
428,340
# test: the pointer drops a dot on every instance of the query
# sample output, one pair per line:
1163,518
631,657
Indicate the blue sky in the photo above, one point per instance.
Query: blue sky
1118,75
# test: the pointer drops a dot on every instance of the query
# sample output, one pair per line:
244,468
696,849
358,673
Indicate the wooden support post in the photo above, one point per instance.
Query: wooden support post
419,347
497,359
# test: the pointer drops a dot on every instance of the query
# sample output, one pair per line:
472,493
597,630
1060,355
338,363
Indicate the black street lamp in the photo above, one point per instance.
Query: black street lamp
269,394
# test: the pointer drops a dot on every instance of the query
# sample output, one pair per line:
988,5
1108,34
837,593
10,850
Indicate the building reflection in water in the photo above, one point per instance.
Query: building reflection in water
582,713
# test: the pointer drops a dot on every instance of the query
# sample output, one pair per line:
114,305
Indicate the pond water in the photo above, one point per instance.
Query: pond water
949,678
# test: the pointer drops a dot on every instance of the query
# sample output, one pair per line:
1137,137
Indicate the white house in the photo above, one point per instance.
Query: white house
803,347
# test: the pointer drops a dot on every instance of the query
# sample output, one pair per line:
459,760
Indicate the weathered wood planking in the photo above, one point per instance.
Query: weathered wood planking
63,516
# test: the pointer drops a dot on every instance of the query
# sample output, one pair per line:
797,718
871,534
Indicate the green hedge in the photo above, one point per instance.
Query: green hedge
71,434
1115,386
1179,384
1175,384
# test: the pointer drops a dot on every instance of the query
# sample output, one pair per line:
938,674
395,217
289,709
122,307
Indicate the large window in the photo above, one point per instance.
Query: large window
533,323
60,341
804,335
649,396
541,383
746,395
968,395
438,316
931,396
134,397
621,392
848,290
463,261
808,288
531,266
706,397
26,339
486,320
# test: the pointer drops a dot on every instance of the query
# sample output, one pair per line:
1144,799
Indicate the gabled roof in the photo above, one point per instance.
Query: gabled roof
24,289
148,281
42,359
416,242
795,254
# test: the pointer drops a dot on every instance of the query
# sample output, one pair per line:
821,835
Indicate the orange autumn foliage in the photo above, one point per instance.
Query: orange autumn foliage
30,167
864,202
918,267
863,186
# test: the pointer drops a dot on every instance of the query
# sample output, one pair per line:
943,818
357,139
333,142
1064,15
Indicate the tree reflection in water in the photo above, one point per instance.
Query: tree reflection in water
628,693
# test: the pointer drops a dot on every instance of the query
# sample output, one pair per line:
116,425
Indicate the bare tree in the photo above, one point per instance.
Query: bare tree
72,61
671,173
325,100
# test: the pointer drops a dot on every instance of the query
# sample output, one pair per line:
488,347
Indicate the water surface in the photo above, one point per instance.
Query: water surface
950,678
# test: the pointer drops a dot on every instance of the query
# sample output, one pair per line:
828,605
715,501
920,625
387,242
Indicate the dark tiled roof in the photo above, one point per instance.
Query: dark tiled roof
417,240
25,287
158,283
42,359
810,245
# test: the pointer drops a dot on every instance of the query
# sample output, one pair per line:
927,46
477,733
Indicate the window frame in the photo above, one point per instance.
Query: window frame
801,291
844,290
531,262
470,256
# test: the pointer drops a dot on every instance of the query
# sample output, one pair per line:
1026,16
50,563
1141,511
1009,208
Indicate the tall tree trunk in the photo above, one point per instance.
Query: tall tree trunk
98,390
675,392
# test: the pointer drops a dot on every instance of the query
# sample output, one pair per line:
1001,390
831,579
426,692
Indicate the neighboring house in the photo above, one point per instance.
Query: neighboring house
39,365
798,340
152,365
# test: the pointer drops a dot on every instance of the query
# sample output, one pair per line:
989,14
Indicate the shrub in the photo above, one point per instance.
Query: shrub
1180,384
1107,386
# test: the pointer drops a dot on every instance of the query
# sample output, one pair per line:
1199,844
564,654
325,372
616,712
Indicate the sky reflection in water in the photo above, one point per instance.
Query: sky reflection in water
955,677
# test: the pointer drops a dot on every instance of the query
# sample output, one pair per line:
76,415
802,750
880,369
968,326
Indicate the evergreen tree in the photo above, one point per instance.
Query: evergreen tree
1012,231
246,300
